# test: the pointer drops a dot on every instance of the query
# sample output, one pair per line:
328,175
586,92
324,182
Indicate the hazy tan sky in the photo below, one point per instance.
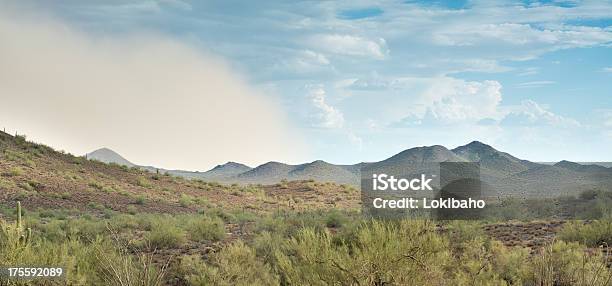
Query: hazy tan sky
153,99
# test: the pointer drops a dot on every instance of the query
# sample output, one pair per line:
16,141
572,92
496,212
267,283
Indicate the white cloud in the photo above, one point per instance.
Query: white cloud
537,83
475,65
373,82
149,97
177,4
451,99
529,71
523,35
530,113
316,58
607,69
350,45
326,115
305,62
128,9
447,100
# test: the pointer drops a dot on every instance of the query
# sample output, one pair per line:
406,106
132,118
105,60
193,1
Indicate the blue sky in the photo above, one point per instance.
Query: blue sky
363,80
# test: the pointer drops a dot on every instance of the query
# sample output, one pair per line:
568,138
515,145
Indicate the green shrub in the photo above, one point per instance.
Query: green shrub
407,253
205,228
592,234
116,266
513,264
165,234
16,171
95,205
235,264
335,220
185,200
143,182
140,200
6,184
96,185
26,186
569,264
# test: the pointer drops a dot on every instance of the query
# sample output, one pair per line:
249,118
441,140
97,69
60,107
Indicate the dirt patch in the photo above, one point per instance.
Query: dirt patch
533,235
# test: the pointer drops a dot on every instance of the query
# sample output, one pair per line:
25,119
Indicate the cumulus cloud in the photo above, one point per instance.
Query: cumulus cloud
530,113
350,45
326,116
149,97
456,100
373,82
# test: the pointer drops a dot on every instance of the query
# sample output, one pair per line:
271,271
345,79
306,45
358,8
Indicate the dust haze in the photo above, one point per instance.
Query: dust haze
151,98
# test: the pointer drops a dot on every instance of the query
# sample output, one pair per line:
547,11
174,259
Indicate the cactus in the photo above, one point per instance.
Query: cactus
18,234
18,215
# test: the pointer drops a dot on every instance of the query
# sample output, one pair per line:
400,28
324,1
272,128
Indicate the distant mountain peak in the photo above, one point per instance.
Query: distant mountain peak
232,165
475,146
107,155
435,153
569,165
475,150
478,144
566,163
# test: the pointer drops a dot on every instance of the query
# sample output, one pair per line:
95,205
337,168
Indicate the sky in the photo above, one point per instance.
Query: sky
191,84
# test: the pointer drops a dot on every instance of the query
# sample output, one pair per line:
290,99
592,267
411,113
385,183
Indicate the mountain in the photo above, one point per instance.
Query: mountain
227,170
436,153
323,171
413,161
493,163
108,156
272,172
219,172
582,167
500,170
547,181
266,173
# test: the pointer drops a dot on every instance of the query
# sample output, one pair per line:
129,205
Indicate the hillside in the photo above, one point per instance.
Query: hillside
43,178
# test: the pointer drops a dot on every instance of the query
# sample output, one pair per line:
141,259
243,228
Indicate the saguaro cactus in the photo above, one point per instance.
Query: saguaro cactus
24,235
18,215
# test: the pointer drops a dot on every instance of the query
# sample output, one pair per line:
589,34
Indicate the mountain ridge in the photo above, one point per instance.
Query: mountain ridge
497,167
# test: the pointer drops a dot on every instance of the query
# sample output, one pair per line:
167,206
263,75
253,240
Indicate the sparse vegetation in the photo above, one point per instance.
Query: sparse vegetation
6,184
165,234
98,222
143,182
140,200
185,200
16,171
593,234
205,228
